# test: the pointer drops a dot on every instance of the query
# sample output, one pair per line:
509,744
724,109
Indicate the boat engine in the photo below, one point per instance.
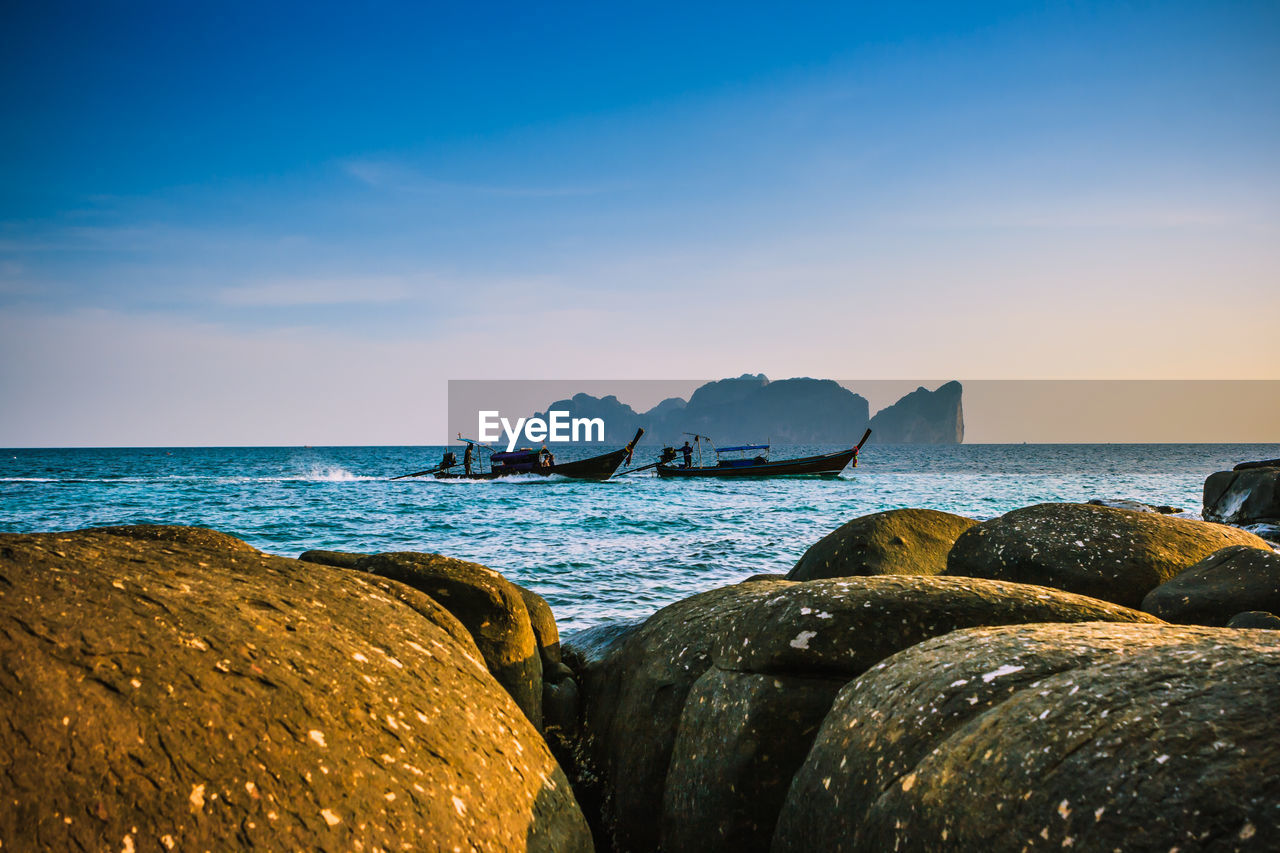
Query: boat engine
450,459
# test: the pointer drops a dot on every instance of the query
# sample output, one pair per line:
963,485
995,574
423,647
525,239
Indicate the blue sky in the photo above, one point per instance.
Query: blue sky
241,223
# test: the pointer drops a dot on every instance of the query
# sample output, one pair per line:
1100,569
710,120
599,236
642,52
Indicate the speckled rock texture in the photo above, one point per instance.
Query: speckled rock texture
540,619
490,606
1113,554
1244,496
337,559
646,693
174,688
1050,737
895,542
1218,587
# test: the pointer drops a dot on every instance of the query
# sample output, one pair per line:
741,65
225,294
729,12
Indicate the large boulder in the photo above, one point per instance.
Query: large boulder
895,542
634,681
1245,496
1088,737
490,606
694,722
176,688
1113,554
1225,583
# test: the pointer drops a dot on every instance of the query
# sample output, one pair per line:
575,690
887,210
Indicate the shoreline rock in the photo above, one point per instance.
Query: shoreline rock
175,686
1115,555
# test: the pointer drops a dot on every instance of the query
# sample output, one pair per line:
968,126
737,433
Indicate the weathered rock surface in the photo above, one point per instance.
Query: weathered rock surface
634,681
490,606
1113,554
174,687
1243,496
638,704
1221,585
337,559
1255,619
1261,463
895,542
1137,506
1086,737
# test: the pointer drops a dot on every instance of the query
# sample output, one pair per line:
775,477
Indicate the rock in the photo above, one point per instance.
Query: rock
589,646
740,739
1088,737
633,681
1265,530
1113,554
490,606
1221,585
1255,619
896,542
748,722
922,417
638,704
173,687
1249,496
1136,506
338,559
766,576
543,622
1264,463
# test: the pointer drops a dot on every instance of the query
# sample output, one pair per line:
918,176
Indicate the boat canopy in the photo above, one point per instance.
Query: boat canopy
524,454
742,447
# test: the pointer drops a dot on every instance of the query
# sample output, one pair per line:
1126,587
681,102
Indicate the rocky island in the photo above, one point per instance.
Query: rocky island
1061,676
786,411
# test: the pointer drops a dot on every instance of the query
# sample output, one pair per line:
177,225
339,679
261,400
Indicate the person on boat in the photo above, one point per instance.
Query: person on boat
688,455
466,461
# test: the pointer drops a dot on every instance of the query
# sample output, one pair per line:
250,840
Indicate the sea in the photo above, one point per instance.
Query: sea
596,551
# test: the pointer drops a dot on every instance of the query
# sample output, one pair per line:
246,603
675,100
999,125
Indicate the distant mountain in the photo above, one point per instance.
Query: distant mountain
922,417
750,408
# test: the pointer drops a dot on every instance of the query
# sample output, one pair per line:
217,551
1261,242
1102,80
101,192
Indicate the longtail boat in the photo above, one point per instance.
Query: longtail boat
824,465
538,462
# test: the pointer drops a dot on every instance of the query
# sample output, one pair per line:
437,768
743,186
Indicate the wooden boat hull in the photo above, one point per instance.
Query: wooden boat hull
600,467
826,465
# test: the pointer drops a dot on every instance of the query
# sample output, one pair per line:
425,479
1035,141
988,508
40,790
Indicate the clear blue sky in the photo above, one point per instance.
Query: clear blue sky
247,223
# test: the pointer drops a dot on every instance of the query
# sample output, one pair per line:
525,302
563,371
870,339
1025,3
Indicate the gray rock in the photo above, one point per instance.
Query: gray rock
176,688
1221,585
1136,506
1255,619
896,542
741,738
1242,497
1087,737
1262,463
635,695
1113,554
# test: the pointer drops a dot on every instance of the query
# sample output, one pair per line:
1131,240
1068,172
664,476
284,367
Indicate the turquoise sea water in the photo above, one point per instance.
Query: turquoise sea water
596,551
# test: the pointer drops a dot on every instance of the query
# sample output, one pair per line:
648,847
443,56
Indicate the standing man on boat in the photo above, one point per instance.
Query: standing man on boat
688,454
466,460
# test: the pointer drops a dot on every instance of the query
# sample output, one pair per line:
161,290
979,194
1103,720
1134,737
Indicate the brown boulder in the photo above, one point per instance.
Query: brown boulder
895,542
177,688
490,606
1112,554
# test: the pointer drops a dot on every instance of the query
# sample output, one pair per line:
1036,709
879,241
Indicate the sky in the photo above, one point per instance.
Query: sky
244,224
